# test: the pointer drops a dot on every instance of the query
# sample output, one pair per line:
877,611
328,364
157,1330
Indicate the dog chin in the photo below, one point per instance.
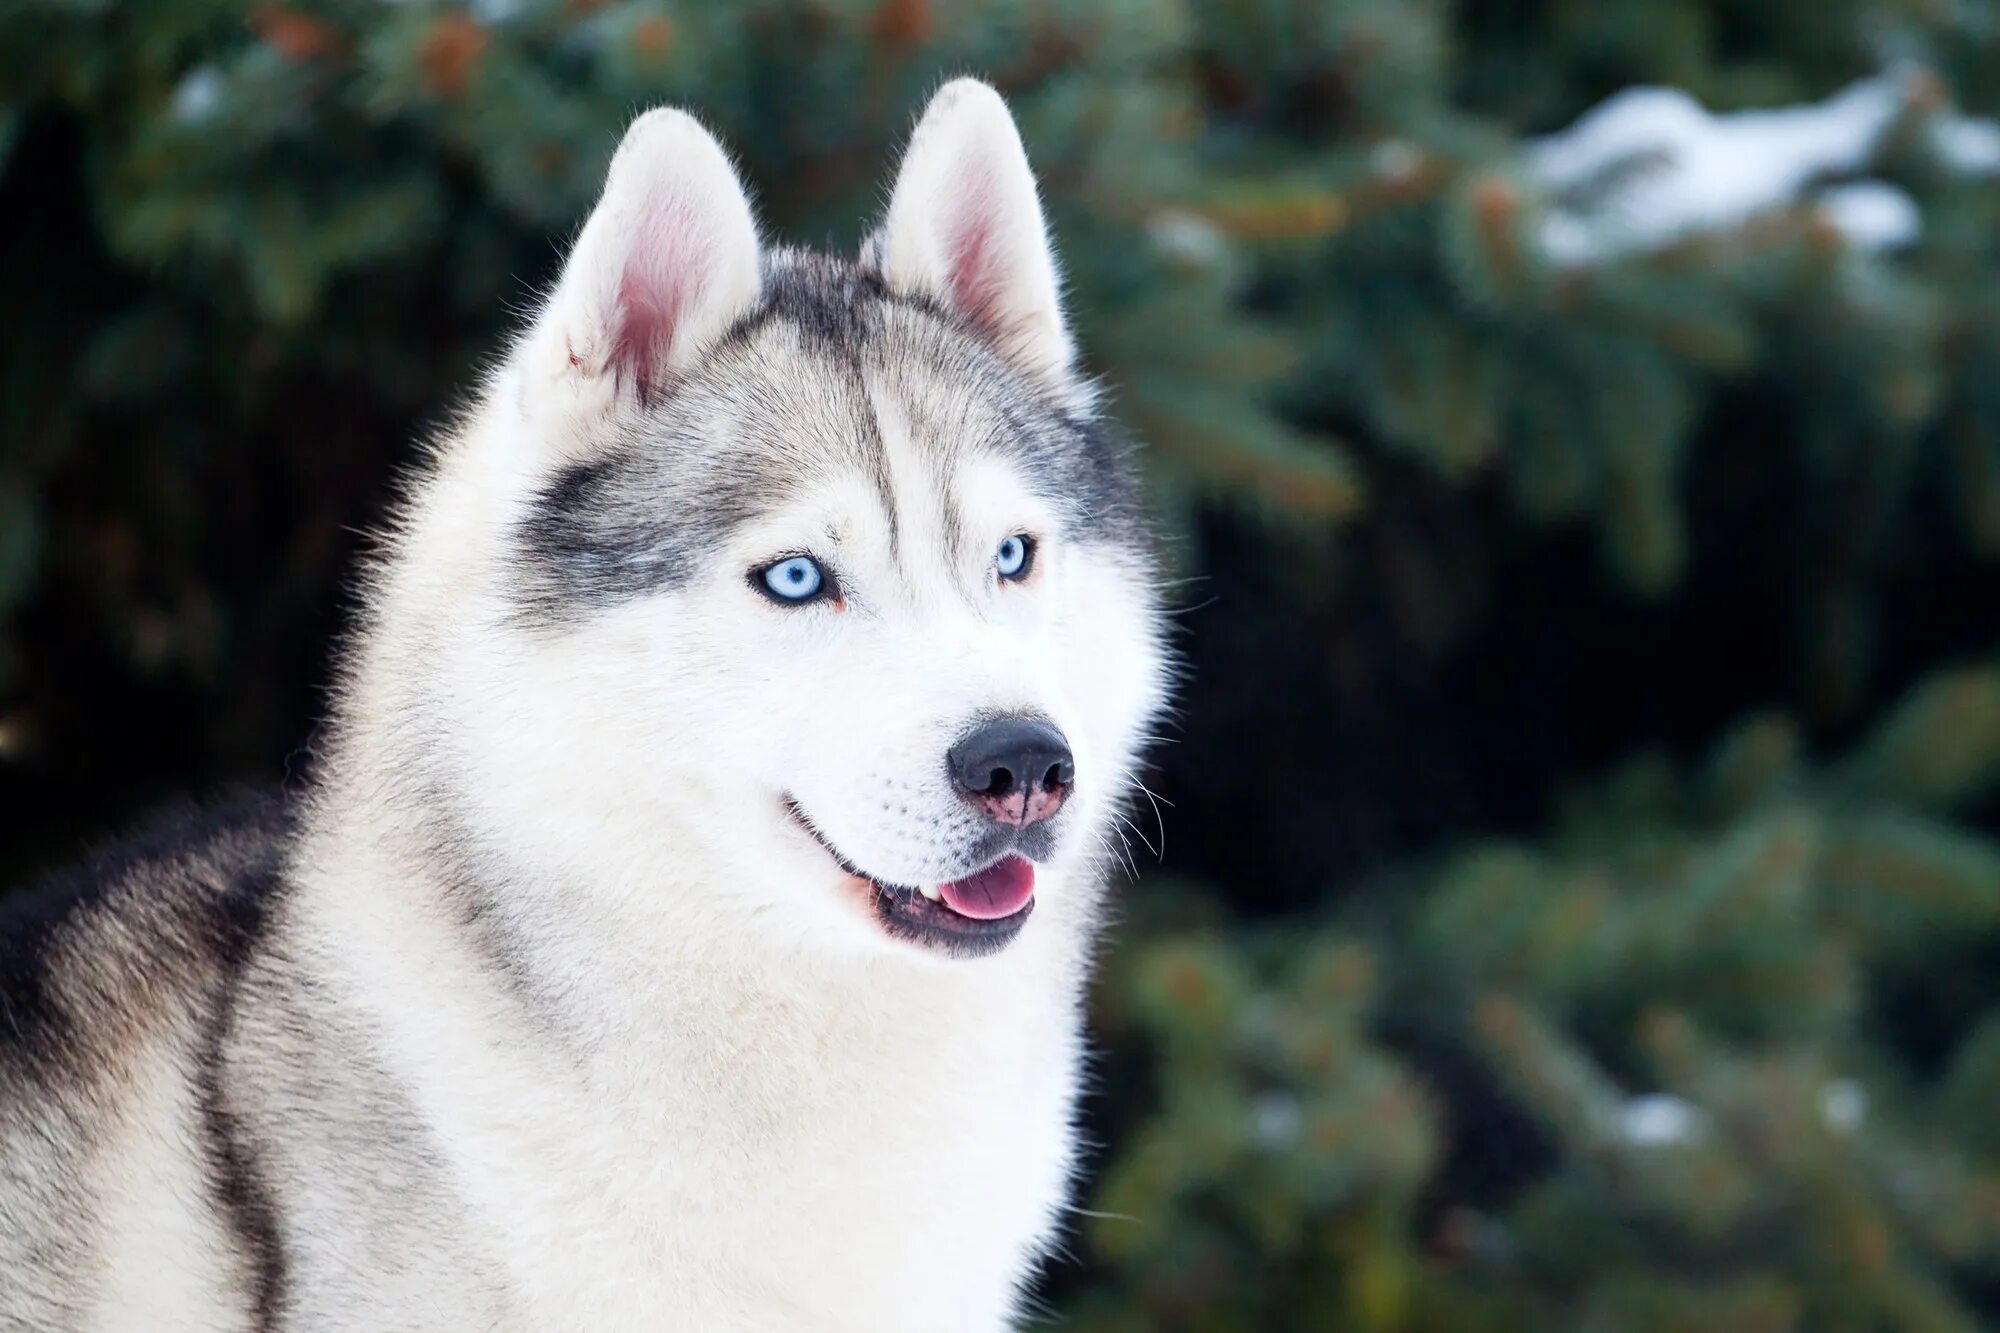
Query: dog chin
974,916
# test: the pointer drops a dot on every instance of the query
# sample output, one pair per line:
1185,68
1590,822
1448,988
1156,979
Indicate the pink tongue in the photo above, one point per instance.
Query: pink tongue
999,890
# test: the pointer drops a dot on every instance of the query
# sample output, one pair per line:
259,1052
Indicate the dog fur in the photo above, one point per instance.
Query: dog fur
549,1004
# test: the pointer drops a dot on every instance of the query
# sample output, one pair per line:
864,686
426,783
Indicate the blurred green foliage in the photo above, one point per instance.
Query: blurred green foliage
1685,988
1717,1049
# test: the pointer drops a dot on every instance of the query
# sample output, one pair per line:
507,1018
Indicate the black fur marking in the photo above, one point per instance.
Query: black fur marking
1101,478
577,557
877,451
37,923
834,304
636,521
237,1183
32,1027
169,922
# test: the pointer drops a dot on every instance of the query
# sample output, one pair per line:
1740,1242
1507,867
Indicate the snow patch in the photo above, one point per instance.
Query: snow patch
1872,215
198,95
1185,238
1843,1104
1651,166
1275,1119
1967,145
1659,1120
1396,159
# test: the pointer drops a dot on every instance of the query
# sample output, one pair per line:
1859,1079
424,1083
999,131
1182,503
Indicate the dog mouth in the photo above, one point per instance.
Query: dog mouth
967,918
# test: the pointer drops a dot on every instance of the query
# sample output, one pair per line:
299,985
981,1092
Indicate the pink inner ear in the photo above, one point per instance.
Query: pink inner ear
976,262
660,281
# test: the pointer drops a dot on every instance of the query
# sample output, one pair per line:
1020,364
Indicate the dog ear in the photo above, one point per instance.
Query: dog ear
667,262
965,228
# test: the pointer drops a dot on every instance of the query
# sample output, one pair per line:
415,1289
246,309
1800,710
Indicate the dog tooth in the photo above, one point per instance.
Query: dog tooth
932,892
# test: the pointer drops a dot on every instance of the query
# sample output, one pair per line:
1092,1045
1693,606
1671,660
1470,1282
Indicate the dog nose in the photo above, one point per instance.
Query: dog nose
1016,769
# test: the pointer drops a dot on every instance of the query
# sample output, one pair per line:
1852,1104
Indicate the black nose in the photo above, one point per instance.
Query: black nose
1018,768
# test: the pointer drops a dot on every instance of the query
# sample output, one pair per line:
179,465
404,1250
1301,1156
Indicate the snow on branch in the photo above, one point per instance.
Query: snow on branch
1651,166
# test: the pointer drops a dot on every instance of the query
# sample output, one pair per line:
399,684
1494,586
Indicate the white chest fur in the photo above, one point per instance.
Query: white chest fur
730,1144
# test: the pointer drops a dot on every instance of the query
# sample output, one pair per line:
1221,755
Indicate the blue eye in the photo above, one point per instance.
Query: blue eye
1015,556
795,579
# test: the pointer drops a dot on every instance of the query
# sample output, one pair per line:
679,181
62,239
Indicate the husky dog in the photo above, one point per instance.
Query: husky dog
687,923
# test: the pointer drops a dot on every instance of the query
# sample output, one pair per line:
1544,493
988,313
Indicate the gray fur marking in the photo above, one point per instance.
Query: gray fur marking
722,448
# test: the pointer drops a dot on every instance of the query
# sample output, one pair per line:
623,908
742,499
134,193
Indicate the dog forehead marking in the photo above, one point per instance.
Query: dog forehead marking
795,395
920,448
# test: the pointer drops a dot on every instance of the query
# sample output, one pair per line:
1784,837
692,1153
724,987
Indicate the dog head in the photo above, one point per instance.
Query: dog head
810,589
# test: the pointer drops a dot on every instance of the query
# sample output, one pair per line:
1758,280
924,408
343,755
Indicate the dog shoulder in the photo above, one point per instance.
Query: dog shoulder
94,958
